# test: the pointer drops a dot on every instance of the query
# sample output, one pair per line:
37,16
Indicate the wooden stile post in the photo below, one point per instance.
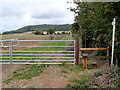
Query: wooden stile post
77,52
85,56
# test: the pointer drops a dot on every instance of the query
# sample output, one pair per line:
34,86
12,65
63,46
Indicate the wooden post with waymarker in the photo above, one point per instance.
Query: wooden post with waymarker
85,56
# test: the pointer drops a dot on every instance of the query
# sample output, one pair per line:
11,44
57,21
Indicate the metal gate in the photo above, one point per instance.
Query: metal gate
14,51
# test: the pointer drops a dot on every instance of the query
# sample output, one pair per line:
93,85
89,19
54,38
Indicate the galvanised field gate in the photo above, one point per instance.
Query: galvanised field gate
14,51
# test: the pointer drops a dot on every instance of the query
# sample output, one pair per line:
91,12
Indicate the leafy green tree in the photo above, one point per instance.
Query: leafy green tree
51,31
38,32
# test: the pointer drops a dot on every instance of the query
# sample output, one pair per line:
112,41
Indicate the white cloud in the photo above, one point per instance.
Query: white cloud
18,13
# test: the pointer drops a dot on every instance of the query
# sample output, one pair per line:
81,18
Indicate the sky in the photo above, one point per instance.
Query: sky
15,14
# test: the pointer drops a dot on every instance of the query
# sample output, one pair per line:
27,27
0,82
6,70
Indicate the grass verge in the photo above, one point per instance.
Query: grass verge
28,74
81,83
7,81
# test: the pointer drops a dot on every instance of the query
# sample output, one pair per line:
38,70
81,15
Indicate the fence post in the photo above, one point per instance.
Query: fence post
10,51
77,52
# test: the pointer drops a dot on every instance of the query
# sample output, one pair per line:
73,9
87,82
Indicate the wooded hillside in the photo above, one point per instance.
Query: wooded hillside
44,27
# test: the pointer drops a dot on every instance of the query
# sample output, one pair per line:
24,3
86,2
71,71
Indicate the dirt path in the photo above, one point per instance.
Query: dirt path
50,78
53,76
0,76
7,70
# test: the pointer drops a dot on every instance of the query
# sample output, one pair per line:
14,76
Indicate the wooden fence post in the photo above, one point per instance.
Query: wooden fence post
77,52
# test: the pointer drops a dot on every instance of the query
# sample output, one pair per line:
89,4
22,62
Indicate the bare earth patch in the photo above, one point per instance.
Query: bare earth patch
50,78
7,70
53,76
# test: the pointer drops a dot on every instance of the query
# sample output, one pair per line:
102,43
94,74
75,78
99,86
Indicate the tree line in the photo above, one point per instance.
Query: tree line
92,26
49,32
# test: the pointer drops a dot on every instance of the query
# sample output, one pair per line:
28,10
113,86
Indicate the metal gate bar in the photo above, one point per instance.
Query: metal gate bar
12,54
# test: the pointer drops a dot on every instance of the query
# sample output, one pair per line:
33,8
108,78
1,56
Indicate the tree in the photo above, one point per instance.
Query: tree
38,32
51,31
93,25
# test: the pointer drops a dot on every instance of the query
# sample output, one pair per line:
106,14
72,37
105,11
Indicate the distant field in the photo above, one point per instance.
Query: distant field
28,36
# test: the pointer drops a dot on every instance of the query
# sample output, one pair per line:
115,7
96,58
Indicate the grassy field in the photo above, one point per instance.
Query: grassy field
50,54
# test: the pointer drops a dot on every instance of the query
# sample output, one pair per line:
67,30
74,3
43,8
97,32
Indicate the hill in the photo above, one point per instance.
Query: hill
44,27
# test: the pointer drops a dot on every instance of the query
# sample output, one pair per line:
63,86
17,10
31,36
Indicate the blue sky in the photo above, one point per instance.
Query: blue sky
18,13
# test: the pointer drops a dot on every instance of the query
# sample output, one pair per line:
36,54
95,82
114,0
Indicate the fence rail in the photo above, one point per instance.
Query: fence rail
16,51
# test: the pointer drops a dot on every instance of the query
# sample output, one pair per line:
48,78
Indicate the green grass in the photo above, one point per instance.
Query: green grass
26,72
81,83
32,71
7,81
75,68
90,67
62,43
98,73
64,71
